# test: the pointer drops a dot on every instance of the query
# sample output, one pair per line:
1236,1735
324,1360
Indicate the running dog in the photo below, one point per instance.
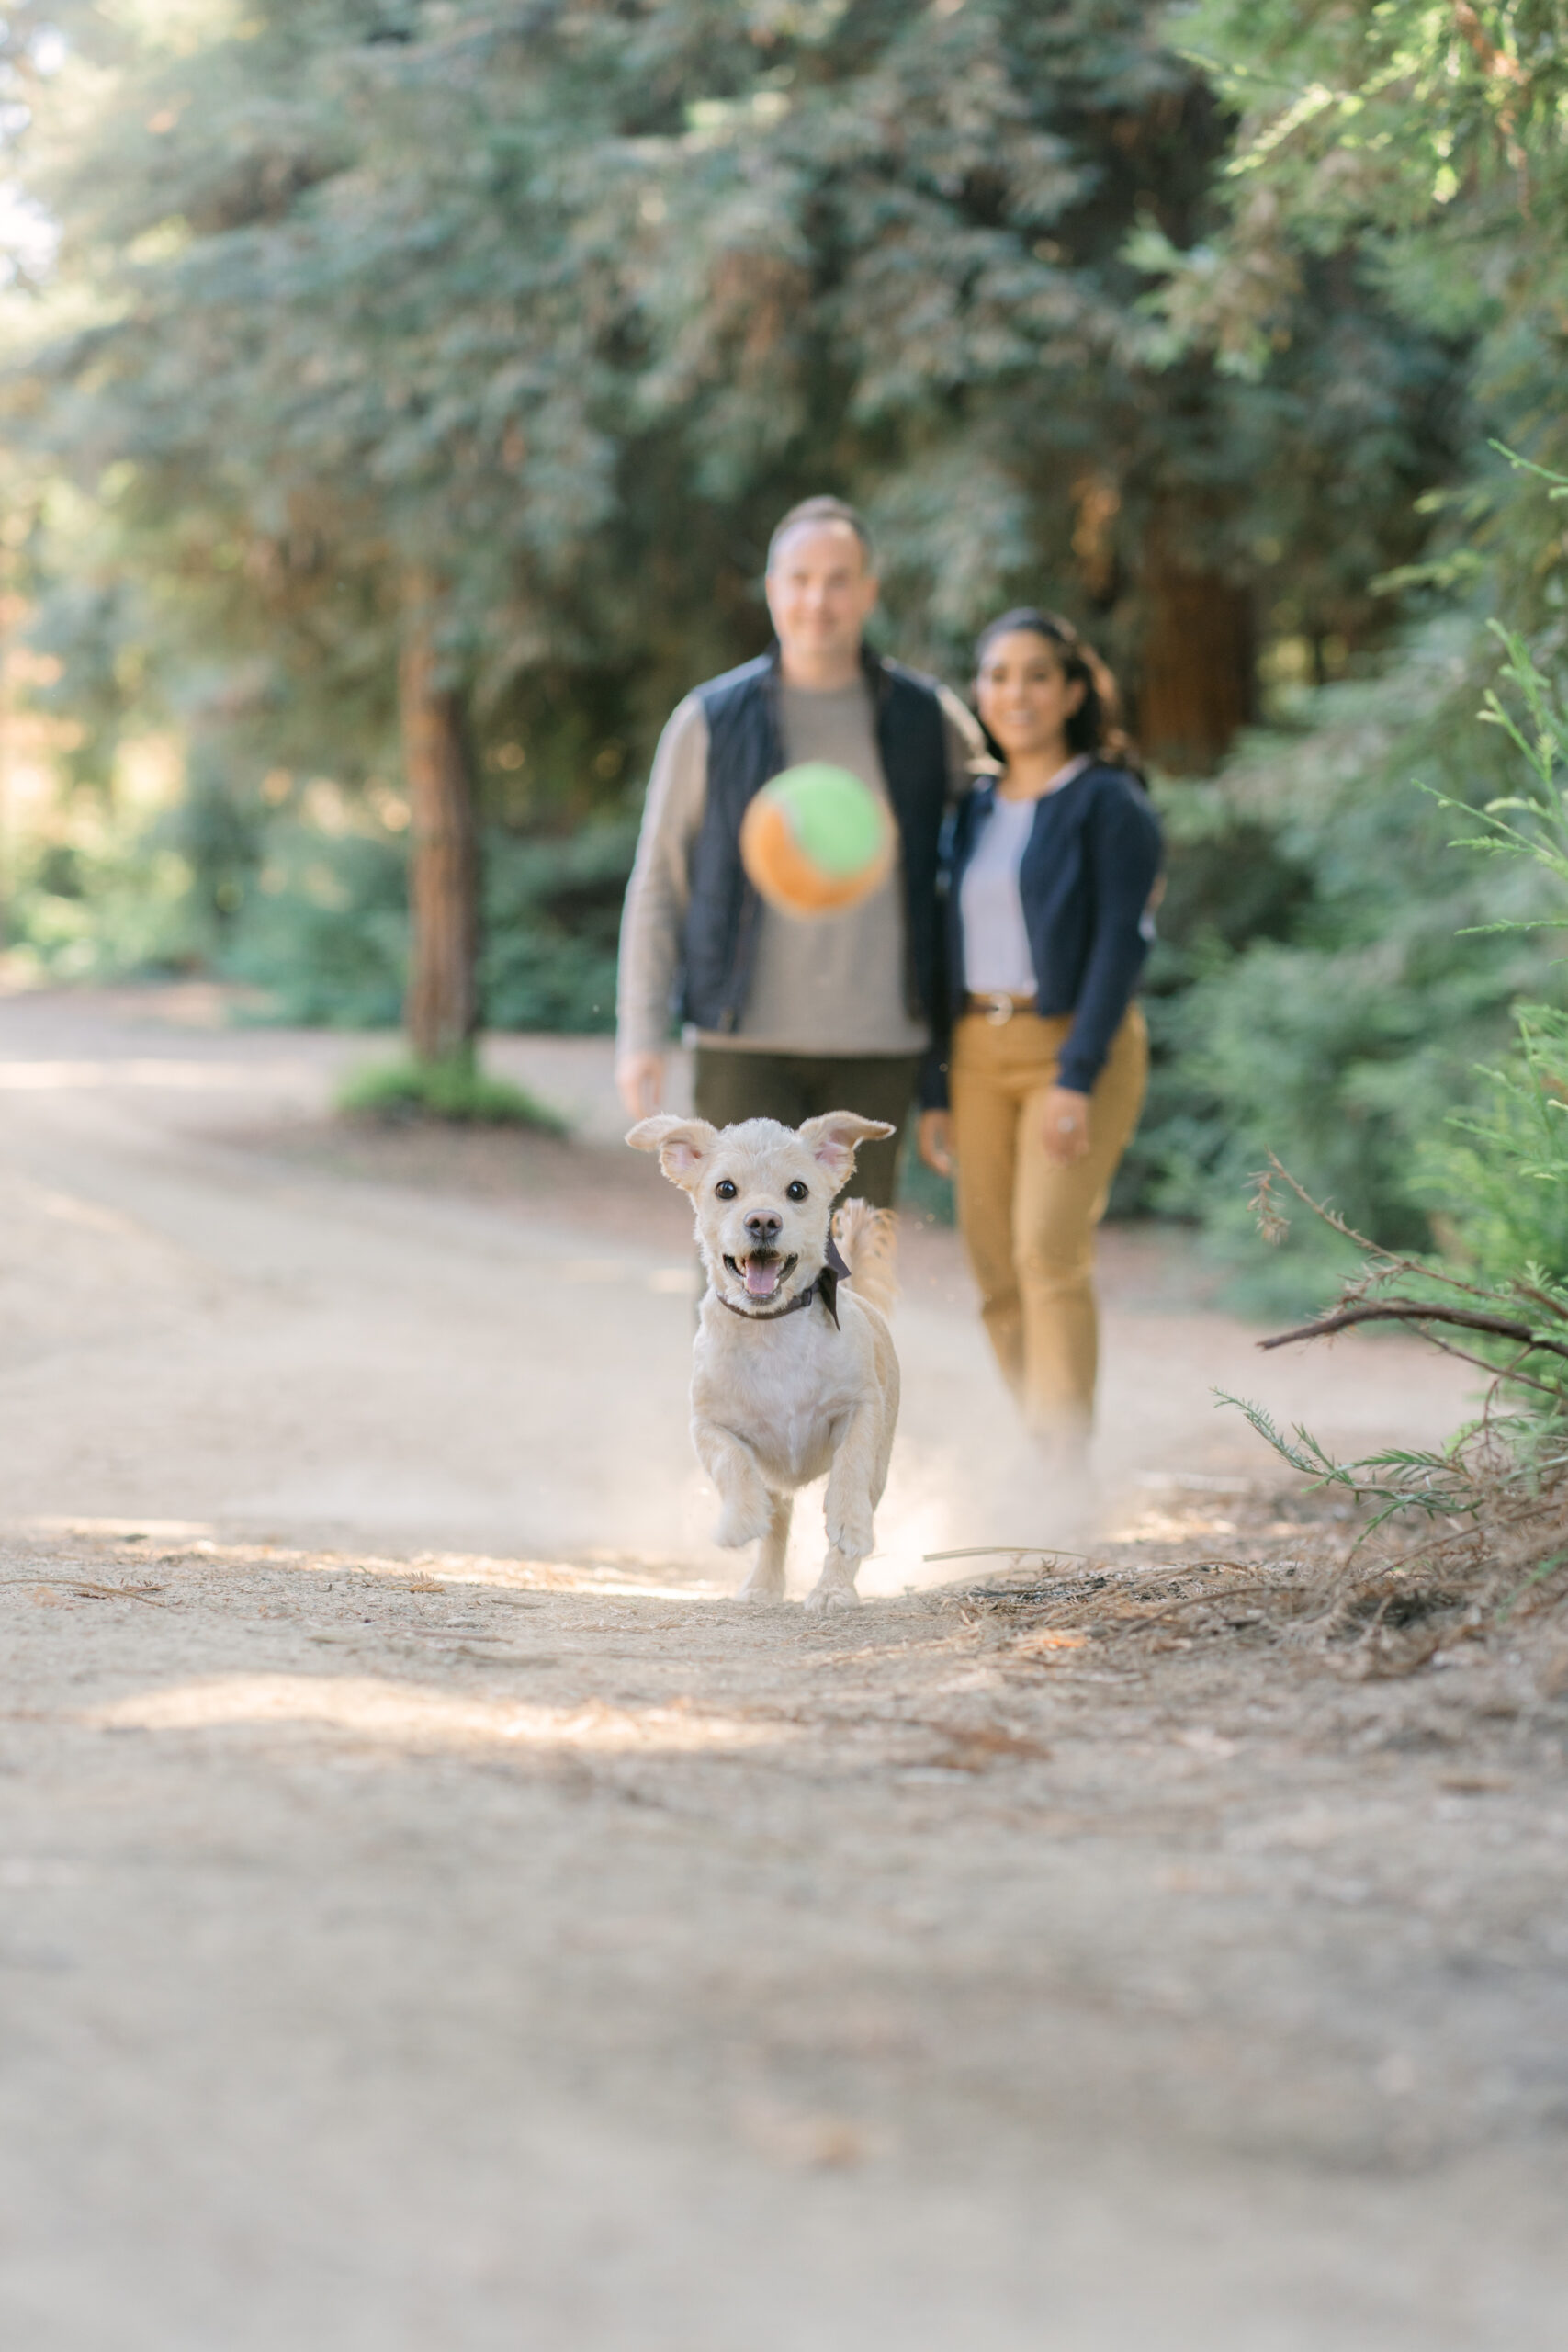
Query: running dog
791,1376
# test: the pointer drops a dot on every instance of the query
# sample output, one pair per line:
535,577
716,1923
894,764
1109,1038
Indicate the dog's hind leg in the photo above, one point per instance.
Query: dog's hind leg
766,1581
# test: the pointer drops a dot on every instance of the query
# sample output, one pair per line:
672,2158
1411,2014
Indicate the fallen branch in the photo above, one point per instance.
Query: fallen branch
1412,1310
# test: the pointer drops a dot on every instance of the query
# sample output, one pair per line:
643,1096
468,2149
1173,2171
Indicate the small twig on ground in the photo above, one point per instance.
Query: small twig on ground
1010,1551
1222,1598
91,1592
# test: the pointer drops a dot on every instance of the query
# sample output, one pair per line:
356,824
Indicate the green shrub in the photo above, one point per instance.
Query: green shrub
101,899
324,927
1498,1182
1498,1178
316,919
455,1087
1228,882
1497,1294
552,920
1342,1041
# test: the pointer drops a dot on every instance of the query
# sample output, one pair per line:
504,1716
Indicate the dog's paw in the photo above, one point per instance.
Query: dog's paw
851,1535
835,1595
742,1520
758,1587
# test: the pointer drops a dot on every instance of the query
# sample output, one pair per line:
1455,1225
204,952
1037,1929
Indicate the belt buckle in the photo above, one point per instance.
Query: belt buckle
1000,1009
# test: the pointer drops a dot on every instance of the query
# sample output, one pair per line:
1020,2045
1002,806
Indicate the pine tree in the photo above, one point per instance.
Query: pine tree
908,257
432,363
1434,142
341,375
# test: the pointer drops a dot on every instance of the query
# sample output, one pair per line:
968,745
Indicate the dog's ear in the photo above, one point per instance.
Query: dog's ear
831,1140
682,1145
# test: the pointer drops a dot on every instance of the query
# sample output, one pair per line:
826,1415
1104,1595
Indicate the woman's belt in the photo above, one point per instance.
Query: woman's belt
995,1006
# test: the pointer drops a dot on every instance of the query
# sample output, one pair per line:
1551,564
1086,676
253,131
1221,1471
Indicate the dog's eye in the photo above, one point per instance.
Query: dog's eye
725,1189
799,1191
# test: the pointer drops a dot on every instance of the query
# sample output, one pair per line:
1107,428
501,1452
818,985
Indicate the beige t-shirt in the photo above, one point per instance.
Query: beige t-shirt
833,986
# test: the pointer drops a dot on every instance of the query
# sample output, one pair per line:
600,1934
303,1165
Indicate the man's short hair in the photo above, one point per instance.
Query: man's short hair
823,510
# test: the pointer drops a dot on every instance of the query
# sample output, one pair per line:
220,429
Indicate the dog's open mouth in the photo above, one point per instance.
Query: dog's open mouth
764,1272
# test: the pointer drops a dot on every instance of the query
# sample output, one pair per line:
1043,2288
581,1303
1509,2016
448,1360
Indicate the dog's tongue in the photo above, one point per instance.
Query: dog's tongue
761,1277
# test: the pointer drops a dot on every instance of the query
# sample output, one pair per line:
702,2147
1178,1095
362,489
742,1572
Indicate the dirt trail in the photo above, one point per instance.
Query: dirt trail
224,1310
431,1914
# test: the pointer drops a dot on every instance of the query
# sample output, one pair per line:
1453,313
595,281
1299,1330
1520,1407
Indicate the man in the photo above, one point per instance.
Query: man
790,1018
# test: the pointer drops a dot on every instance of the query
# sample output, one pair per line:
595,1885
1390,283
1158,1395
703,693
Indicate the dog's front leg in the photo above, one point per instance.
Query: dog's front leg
766,1581
848,1510
746,1505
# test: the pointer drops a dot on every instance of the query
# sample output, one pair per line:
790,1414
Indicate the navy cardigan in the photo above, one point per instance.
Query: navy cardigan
1090,863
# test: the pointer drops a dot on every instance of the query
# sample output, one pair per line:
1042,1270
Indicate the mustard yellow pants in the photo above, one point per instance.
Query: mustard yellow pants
1028,1225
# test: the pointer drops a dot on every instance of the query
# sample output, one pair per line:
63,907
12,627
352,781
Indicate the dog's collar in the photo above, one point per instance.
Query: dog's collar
825,1287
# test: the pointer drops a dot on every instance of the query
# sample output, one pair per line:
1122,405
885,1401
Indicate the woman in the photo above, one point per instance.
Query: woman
1052,869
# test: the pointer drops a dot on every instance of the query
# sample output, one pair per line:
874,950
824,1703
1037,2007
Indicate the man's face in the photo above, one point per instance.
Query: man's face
821,592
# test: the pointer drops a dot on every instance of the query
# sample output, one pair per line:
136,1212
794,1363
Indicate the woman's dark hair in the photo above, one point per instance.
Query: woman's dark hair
1096,725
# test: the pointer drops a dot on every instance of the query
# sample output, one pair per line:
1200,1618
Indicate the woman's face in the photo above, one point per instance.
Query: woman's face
1024,693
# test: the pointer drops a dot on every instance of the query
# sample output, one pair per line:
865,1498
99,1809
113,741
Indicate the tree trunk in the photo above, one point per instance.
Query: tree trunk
442,1008
1197,674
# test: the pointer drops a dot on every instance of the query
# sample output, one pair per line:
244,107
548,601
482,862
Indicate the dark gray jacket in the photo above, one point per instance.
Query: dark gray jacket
745,748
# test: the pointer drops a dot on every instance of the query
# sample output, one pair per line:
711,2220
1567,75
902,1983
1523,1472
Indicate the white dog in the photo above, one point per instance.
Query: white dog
790,1375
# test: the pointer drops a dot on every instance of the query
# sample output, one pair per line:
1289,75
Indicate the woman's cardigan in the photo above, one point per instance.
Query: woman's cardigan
1089,867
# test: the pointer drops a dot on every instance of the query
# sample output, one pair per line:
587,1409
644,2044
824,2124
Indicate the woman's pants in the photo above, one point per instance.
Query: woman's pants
1028,1224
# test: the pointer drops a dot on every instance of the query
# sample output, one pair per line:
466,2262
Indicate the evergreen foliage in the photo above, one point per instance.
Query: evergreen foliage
1433,143
1497,1294
453,1088
519,324
319,926
1502,1181
1344,1039
548,310
324,935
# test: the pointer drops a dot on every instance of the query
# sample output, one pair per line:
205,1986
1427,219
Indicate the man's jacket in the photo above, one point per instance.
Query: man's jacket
745,750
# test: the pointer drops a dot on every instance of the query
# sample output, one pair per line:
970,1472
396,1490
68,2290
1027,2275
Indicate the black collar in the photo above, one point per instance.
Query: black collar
825,1287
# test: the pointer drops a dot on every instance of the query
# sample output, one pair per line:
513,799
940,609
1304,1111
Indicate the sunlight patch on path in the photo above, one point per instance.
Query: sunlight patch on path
616,1579
415,1715
129,1530
183,1077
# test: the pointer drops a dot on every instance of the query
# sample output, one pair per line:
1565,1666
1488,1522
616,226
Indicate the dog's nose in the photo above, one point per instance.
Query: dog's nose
763,1229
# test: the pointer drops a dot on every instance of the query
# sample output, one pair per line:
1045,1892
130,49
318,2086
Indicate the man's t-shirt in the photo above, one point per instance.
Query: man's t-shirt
833,986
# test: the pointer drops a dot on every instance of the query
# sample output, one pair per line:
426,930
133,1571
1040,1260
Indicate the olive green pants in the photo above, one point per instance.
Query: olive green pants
1029,1224
729,1086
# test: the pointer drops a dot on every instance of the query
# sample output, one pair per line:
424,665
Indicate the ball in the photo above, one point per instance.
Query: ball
816,840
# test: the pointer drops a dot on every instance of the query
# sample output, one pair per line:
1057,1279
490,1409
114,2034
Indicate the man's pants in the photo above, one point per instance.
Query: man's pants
730,1085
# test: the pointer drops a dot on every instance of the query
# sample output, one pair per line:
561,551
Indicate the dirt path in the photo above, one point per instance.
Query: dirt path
225,1311
431,1915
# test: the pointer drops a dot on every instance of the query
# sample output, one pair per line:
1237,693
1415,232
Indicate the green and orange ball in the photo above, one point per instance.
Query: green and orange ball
816,840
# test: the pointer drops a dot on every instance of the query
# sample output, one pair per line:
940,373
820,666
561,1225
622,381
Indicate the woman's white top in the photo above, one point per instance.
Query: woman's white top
996,960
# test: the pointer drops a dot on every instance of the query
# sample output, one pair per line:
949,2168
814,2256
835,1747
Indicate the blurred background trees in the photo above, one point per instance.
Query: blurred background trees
399,393
1434,144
